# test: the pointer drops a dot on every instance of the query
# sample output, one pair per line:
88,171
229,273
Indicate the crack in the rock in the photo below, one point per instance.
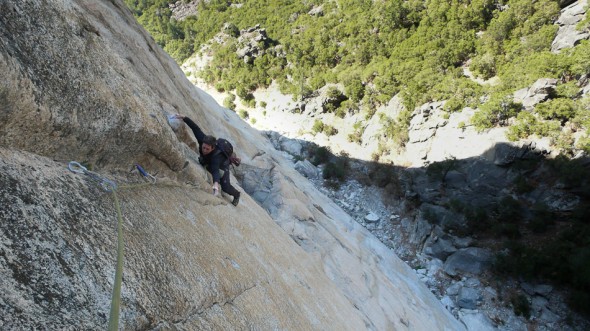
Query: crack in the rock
199,311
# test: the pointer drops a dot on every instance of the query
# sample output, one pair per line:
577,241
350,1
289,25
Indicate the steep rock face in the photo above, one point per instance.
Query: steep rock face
82,81
73,85
192,261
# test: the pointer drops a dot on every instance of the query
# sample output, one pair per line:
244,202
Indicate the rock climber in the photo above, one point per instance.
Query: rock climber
213,160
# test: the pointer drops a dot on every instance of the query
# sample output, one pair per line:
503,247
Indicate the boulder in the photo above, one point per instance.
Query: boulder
472,260
538,92
475,320
307,169
468,298
291,146
568,35
541,289
249,43
440,248
372,218
316,11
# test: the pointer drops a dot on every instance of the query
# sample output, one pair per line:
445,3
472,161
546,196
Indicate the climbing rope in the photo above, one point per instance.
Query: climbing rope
110,186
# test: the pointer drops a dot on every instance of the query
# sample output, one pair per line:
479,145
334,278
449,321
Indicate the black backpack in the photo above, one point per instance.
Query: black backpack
228,150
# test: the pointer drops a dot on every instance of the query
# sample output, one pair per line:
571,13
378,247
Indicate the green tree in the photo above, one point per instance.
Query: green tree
561,109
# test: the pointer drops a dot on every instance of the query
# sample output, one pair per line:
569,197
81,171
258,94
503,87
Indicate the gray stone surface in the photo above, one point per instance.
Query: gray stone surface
372,218
477,321
468,298
440,249
568,35
307,169
472,260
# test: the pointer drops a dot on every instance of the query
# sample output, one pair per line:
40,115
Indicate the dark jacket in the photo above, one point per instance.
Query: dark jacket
213,161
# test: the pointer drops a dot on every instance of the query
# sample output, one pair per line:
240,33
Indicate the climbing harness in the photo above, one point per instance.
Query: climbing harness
110,186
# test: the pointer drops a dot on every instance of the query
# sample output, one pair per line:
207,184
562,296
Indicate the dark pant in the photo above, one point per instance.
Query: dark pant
226,186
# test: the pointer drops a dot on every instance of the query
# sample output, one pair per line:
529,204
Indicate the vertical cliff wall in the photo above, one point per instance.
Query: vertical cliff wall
81,80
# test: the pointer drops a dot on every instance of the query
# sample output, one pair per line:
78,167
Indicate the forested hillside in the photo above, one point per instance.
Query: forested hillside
377,49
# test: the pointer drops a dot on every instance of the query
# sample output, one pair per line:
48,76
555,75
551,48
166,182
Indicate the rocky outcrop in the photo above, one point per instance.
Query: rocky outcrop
82,81
58,102
252,43
538,92
181,9
568,34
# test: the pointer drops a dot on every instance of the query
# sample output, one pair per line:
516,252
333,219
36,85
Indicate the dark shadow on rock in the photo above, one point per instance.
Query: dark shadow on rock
529,210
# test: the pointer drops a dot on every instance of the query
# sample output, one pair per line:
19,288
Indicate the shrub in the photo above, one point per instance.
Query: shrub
581,278
453,105
231,29
523,128
519,260
317,81
320,155
349,107
582,118
355,90
495,112
560,109
542,219
243,114
318,126
456,205
341,112
251,102
397,130
335,170
508,230
381,175
334,93
567,90
330,130
484,66
220,87
584,144
522,185
477,219
581,57
508,210
565,143
179,50
483,119
243,93
329,107
228,102
429,215
571,172
521,306
439,170
355,138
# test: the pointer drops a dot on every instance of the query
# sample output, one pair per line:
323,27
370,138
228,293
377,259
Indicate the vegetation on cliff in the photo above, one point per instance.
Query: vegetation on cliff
377,49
